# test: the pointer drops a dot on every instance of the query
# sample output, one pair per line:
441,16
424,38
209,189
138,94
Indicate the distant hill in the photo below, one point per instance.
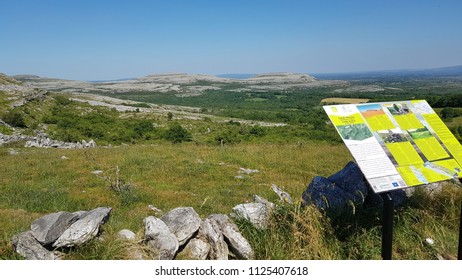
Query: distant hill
442,72
236,76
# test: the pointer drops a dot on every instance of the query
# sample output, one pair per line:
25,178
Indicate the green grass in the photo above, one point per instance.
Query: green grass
37,181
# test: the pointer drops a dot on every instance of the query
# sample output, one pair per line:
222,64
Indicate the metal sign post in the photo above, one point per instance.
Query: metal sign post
387,226
459,253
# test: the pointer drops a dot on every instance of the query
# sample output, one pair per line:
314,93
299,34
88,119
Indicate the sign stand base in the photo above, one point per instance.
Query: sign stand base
387,226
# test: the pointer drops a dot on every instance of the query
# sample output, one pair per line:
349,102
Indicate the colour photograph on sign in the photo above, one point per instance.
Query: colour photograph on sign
398,144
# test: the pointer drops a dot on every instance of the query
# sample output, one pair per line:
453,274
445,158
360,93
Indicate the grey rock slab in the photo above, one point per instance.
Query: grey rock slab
196,249
184,222
218,248
49,228
256,213
233,237
84,229
159,238
27,246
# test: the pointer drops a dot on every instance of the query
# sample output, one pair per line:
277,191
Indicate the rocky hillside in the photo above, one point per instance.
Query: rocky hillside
14,93
186,84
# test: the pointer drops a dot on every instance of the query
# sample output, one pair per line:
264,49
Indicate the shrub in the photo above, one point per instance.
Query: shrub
177,134
14,118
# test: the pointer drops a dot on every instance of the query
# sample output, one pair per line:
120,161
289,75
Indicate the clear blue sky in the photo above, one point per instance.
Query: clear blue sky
90,40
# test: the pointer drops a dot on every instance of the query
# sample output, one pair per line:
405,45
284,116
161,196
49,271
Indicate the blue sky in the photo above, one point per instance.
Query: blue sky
91,40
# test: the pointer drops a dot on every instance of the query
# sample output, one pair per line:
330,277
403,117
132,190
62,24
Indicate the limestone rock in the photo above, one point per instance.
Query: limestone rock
218,247
27,246
183,222
196,249
283,196
84,229
236,242
126,234
48,228
256,213
159,238
259,199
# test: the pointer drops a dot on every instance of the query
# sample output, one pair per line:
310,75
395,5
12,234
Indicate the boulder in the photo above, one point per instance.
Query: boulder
27,246
159,238
346,186
48,228
212,232
256,213
196,249
183,222
84,229
237,244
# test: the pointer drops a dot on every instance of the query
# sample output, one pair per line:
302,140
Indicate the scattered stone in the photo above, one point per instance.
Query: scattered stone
196,249
13,152
155,209
218,247
159,238
283,196
27,246
247,171
84,229
237,244
49,228
64,157
97,172
239,177
430,241
184,222
127,235
256,213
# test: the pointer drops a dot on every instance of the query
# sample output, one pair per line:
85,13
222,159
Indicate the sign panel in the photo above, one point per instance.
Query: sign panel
398,144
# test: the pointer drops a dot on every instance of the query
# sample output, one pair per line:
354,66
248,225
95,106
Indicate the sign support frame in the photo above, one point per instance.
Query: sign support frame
459,253
387,225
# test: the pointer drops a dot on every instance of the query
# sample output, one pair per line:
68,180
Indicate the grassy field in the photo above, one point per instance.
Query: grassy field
35,182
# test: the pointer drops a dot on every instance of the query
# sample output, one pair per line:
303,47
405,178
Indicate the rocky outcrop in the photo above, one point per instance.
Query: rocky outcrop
61,229
41,140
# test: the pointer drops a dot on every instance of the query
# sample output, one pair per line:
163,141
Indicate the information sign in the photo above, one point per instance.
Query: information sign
398,144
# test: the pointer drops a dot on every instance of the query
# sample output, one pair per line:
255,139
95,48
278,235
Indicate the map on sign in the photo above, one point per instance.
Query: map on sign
398,144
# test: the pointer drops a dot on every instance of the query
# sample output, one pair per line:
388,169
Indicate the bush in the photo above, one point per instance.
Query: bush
177,134
14,118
